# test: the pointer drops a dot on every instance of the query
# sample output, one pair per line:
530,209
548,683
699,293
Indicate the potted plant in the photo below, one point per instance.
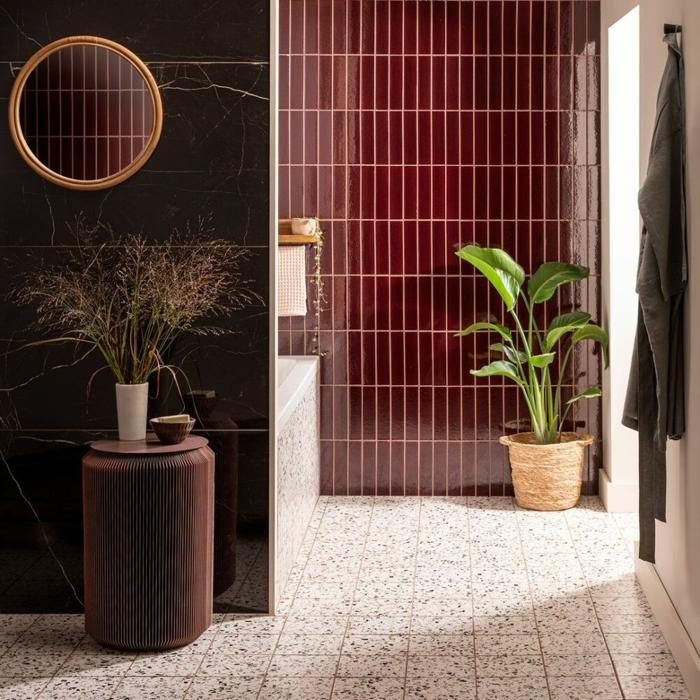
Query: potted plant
128,300
547,462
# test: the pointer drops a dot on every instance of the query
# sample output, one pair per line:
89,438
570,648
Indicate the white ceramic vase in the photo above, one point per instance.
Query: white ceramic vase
132,410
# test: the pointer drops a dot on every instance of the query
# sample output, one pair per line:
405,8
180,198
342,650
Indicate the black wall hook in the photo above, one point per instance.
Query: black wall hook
672,28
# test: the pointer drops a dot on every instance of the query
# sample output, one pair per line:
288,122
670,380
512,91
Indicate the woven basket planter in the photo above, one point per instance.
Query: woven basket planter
546,477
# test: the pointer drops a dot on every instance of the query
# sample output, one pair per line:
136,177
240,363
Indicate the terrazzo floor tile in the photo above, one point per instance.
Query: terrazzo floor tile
379,624
393,598
584,688
21,688
151,688
166,665
243,644
290,643
441,645
637,643
440,667
219,688
234,665
510,644
81,688
283,688
368,689
320,665
504,666
512,689
583,664
333,625
645,665
375,644
378,666
440,689
653,688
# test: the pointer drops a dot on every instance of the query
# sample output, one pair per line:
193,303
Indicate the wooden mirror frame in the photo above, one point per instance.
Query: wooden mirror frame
16,128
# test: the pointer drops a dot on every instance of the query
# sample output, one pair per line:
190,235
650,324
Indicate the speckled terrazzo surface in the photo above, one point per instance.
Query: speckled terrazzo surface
399,598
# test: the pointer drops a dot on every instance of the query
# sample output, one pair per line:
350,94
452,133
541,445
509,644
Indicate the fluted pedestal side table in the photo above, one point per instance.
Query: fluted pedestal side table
148,513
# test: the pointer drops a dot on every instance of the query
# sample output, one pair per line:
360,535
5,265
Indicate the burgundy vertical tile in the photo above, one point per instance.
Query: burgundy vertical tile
480,25
440,468
381,83
437,78
355,470
328,465
369,467
353,26
325,82
466,84
425,468
383,468
398,462
406,187
395,22
325,26
284,84
367,40
410,25
424,78
495,28
481,84
537,23
284,26
411,473
310,82
296,33
311,26
296,82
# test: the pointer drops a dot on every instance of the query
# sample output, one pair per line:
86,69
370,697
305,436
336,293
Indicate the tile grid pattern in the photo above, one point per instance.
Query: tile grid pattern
410,127
406,598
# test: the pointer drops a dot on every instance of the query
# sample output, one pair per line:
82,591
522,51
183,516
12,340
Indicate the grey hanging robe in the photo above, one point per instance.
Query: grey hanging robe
654,405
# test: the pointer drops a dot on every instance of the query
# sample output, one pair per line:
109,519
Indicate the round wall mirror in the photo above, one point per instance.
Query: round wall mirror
85,112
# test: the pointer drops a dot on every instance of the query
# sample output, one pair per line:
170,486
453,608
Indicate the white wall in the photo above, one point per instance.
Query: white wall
620,217
678,541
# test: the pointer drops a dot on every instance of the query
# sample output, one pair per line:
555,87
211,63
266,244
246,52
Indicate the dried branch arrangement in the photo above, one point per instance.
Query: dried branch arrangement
129,299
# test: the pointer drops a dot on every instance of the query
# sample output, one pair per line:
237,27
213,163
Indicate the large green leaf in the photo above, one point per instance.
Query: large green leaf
561,325
499,268
486,326
590,393
542,360
499,368
549,276
514,355
595,333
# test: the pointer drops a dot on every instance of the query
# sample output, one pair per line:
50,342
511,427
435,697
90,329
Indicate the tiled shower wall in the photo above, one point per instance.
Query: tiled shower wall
411,128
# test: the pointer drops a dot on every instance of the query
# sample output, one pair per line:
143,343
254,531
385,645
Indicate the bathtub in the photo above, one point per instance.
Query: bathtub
298,458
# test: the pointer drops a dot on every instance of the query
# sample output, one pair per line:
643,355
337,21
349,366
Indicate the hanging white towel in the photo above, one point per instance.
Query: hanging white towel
291,278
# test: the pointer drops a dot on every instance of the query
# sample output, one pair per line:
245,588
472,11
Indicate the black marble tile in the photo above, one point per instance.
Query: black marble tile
215,122
35,212
46,387
153,29
41,567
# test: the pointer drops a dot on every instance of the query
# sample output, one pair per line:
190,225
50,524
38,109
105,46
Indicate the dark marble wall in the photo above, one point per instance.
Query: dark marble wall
210,170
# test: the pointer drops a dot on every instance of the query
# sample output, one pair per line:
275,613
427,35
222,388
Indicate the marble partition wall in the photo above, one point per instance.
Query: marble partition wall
209,174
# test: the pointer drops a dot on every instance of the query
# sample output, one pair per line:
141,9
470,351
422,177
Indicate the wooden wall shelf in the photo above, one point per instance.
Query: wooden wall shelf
286,237
291,239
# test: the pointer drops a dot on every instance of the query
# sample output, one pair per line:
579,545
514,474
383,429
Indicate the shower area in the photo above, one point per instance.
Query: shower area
409,129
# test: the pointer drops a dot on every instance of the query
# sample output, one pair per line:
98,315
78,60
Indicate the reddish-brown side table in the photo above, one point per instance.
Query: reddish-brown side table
148,513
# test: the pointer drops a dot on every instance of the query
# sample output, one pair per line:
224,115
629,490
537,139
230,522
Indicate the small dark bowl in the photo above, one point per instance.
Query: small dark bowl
172,433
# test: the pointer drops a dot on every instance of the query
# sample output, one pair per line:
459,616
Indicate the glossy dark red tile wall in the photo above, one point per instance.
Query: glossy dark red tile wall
411,127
